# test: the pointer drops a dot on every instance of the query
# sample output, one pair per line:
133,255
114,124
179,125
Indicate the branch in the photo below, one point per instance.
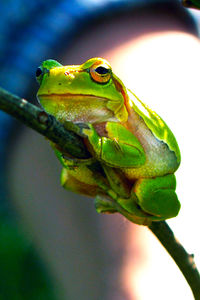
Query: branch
45,124
72,143
184,261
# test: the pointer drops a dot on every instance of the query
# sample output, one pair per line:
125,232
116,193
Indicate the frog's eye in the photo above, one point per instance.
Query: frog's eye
100,73
38,72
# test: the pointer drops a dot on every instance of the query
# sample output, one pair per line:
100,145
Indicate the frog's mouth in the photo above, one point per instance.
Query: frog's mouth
68,96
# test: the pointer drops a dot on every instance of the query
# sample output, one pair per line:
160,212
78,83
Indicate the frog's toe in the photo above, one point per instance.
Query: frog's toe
104,204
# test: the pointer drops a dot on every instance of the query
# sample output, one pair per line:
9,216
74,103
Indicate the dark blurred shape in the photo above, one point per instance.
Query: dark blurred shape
191,3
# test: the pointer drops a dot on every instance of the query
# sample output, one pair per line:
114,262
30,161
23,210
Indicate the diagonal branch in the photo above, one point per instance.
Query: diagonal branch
184,261
72,143
45,124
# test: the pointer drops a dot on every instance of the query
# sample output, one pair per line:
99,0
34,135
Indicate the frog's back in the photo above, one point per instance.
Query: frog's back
161,149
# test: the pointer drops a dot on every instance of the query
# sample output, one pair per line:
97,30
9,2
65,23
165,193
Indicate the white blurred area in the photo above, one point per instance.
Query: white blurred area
163,70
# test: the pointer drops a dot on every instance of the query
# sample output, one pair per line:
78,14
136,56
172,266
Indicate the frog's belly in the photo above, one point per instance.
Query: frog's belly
160,160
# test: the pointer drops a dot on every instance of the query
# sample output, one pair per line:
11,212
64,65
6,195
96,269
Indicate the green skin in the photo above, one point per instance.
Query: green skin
137,154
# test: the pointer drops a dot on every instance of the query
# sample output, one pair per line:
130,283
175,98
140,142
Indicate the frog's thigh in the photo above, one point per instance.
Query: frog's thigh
157,196
72,183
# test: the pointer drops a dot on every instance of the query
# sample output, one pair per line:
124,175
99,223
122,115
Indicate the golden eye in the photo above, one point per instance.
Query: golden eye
100,73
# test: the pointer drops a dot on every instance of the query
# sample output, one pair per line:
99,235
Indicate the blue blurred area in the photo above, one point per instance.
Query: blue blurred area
31,31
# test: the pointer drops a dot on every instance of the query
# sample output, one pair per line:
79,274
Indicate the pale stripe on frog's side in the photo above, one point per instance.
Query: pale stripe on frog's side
160,159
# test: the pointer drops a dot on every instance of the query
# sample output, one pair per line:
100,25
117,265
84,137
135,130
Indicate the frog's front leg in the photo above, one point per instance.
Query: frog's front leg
120,148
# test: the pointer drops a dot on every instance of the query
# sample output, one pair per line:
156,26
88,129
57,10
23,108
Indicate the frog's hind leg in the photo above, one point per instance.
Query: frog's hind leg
72,183
103,203
157,196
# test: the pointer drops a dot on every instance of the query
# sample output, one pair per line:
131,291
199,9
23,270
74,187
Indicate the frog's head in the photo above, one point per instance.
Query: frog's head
82,93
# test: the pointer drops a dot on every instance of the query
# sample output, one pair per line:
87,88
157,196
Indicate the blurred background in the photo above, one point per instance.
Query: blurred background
53,244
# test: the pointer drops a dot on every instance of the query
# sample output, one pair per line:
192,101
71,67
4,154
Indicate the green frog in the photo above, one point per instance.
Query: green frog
134,153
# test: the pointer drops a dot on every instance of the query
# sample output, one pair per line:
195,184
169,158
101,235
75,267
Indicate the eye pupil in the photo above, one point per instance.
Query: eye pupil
101,70
38,72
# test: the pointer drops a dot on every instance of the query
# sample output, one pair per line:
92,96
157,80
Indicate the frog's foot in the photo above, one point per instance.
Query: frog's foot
157,196
126,207
76,127
70,162
120,198
104,204
133,212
